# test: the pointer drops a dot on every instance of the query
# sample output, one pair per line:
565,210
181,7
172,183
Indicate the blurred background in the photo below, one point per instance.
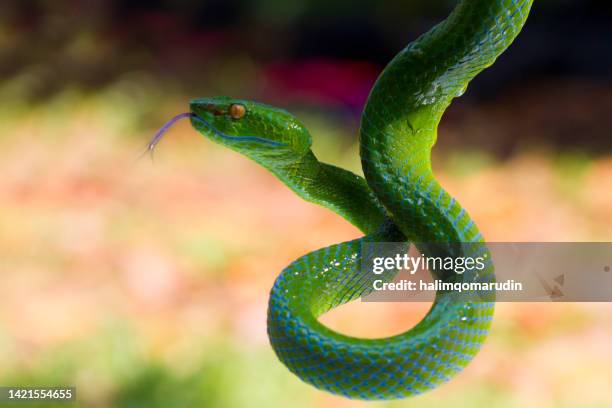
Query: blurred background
145,284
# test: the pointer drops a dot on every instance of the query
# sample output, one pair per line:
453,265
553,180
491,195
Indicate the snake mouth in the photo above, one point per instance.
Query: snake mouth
214,110
230,138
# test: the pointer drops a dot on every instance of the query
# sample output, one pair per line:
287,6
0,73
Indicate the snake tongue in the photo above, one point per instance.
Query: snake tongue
164,129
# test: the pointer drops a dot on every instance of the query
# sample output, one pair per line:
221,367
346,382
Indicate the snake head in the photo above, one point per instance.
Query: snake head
256,130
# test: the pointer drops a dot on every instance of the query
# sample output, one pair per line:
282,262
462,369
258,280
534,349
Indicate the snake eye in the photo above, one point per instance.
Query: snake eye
237,111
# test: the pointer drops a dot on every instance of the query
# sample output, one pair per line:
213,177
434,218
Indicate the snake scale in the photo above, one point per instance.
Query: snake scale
399,200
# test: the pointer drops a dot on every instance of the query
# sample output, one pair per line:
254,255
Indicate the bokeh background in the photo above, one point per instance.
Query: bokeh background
145,283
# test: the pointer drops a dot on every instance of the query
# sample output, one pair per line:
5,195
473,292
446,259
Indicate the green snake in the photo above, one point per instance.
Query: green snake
399,200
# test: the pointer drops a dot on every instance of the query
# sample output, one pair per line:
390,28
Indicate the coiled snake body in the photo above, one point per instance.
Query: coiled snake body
399,200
